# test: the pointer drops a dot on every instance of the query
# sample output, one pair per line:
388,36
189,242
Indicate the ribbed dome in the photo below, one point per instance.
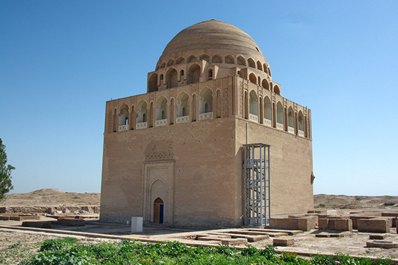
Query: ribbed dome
211,37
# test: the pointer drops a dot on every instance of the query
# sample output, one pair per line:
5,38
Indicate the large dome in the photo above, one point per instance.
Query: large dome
211,37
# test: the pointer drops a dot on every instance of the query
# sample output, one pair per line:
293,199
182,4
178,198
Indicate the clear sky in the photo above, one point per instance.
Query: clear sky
61,60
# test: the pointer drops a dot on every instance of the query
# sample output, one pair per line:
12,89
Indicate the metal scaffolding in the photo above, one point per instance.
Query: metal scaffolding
256,183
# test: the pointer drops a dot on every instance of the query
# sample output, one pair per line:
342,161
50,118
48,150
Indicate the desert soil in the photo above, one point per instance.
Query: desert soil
54,197
51,197
16,246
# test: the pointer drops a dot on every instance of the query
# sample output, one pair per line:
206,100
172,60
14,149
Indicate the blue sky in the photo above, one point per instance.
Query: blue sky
61,60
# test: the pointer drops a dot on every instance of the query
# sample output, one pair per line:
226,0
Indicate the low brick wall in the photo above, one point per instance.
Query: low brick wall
305,223
335,224
374,225
285,242
389,214
355,219
50,210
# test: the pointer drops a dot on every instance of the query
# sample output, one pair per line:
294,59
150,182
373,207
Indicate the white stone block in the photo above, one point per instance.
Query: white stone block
137,224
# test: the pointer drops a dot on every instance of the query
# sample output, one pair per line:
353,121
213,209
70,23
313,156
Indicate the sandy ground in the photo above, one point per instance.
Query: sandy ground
53,197
355,202
16,245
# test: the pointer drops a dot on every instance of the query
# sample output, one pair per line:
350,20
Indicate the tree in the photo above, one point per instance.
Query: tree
5,172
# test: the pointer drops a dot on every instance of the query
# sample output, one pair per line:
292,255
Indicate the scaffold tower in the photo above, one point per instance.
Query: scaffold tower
256,183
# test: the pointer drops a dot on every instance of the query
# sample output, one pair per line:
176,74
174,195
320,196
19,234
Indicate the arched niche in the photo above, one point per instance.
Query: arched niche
253,106
206,101
182,106
172,78
241,61
194,74
280,116
267,111
253,78
229,59
153,83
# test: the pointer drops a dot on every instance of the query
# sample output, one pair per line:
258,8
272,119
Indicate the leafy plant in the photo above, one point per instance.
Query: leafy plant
5,172
70,251
57,244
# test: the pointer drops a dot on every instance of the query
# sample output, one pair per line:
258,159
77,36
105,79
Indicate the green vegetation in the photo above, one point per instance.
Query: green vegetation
321,205
70,251
5,172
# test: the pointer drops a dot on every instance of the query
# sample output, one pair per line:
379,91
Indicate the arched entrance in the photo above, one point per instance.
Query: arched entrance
158,211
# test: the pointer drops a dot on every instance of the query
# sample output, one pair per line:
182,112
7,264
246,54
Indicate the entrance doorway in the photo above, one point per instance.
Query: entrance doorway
158,211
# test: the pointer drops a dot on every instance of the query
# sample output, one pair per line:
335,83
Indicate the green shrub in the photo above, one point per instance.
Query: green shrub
70,251
57,244
323,260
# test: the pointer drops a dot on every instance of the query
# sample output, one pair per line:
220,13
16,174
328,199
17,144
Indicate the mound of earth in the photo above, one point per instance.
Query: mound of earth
50,197
354,202
56,197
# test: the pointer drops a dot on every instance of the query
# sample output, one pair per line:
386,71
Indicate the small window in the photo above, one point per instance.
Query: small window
210,75
182,73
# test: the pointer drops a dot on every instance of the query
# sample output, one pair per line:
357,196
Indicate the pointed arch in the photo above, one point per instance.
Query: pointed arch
259,66
253,106
277,90
229,59
180,60
206,101
182,108
205,57
301,124
192,59
253,78
161,108
170,62
172,78
216,59
290,120
123,118
280,116
153,82
265,84
194,74
267,111
251,63
141,115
